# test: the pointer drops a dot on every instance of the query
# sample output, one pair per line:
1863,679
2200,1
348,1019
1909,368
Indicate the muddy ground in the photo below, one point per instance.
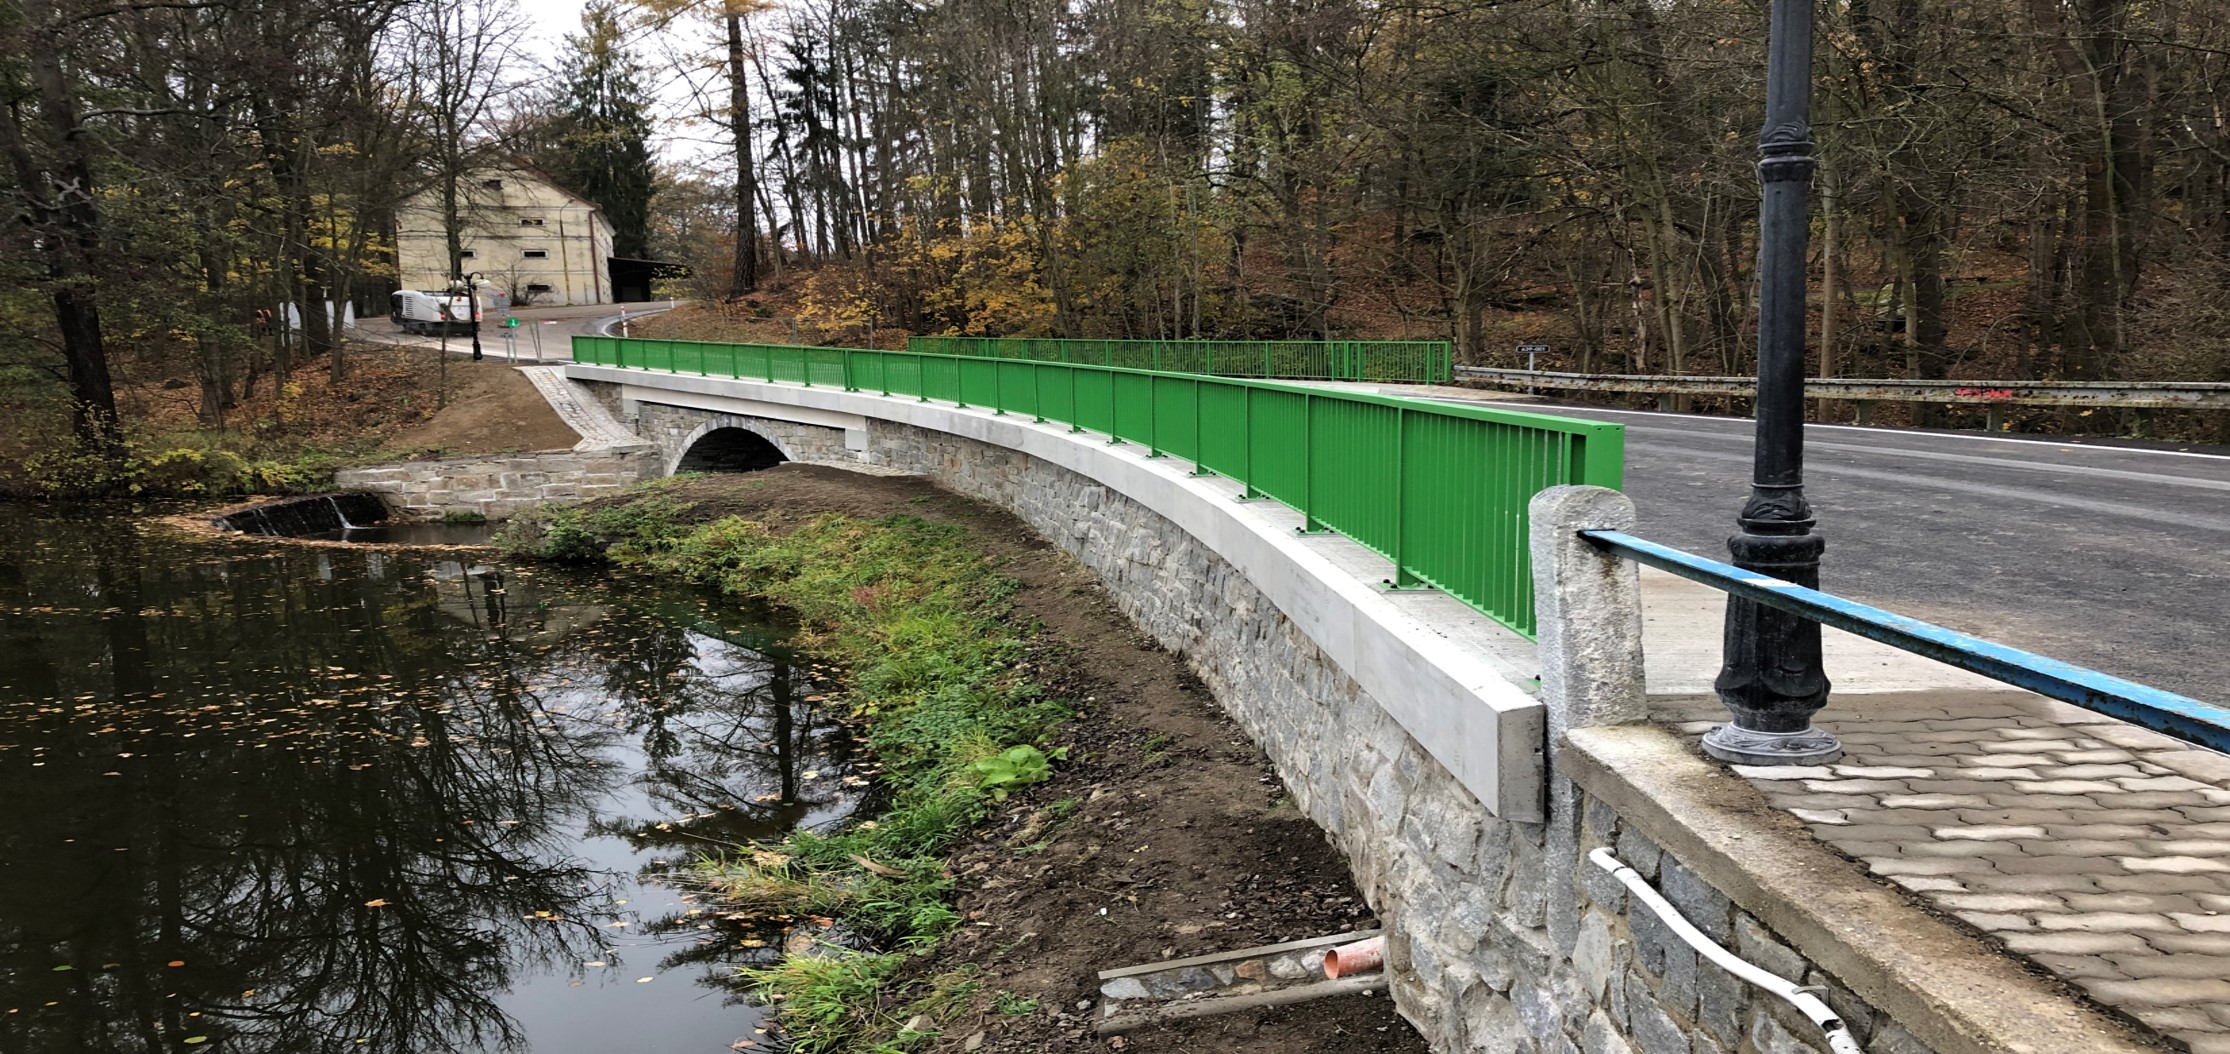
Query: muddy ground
1166,835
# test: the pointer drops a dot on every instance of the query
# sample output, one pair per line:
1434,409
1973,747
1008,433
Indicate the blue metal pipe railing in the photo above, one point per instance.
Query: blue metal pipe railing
2180,716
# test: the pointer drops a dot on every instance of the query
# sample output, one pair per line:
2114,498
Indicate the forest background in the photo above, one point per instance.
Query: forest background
2007,188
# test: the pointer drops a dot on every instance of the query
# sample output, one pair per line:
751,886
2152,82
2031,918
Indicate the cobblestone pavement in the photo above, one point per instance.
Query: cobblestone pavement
2096,849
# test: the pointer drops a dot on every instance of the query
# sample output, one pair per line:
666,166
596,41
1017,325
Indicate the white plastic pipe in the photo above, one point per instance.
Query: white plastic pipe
1838,1035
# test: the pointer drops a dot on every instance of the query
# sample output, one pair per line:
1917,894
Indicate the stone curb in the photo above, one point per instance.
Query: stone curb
1947,987
598,430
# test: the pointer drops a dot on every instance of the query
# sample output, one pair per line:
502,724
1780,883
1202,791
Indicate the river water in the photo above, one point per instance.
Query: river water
260,797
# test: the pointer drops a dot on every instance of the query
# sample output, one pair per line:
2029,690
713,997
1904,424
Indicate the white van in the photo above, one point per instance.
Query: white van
424,311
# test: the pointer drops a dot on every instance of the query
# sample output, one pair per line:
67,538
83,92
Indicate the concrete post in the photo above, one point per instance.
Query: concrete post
1588,612
1588,608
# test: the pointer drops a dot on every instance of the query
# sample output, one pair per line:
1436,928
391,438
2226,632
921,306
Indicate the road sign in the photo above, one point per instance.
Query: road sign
1529,351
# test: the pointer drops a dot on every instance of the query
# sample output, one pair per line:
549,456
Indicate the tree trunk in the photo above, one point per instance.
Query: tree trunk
743,277
62,194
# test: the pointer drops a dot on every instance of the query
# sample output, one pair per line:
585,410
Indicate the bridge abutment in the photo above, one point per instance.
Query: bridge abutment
1409,729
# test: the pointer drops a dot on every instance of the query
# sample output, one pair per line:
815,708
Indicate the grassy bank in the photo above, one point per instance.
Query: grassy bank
938,678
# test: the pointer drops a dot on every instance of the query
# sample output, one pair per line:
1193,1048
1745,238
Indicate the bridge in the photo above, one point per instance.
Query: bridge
1432,617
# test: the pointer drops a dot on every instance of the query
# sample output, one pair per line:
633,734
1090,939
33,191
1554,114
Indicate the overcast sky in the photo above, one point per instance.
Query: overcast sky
673,140
552,20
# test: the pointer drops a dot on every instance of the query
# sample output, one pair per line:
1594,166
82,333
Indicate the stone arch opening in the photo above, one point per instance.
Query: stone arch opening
730,449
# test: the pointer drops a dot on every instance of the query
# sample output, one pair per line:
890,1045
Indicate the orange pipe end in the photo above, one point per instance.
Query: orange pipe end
1351,959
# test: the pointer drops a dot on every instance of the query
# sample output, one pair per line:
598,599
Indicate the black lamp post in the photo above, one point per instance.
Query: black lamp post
1773,681
472,293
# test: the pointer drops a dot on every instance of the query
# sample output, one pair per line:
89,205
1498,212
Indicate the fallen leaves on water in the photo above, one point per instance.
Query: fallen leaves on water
191,1040
376,902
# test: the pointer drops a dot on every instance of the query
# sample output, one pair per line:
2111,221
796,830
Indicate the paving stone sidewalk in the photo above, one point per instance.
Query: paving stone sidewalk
2096,849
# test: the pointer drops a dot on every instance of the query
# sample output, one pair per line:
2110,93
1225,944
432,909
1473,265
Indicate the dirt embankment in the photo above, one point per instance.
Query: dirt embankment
1166,835
492,409
393,400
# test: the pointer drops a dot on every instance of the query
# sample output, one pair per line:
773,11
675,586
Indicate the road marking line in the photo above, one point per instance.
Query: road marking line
1970,459
2042,442
1829,470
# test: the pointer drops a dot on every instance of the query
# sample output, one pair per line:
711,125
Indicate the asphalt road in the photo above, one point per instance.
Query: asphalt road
2115,557
554,327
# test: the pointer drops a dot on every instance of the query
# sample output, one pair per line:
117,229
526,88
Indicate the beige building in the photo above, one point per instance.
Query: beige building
528,237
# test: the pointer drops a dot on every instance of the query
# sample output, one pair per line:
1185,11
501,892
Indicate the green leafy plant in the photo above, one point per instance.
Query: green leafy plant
1013,1005
1010,770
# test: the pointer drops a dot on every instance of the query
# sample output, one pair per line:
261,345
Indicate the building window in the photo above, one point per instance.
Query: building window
492,184
536,254
536,287
530,221
466,254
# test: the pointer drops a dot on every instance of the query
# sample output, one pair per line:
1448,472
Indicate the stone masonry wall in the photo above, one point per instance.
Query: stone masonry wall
673,429
500,485
1501,941
1503,938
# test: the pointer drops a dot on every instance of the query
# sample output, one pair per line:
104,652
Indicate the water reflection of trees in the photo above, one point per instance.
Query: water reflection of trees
732,750
340,788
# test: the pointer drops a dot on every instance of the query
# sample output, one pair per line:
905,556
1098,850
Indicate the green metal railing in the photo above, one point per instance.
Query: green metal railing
1420,361
1439,489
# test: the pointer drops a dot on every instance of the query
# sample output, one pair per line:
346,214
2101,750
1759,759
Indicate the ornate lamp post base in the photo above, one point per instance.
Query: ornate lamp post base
1741,746
1773,680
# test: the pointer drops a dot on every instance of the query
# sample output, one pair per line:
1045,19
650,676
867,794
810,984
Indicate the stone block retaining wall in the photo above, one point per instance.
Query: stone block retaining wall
499,485
1478,962
1503,937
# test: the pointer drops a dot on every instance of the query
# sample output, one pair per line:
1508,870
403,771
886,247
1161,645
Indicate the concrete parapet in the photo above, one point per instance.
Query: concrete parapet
1407,735
1942,986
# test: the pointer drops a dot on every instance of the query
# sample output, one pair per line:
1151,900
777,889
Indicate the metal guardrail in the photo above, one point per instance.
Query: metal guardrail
2180,716
1439,489
1416,361
2138,395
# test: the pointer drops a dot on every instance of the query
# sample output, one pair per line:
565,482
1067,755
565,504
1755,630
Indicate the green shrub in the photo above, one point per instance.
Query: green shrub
146,471
580,534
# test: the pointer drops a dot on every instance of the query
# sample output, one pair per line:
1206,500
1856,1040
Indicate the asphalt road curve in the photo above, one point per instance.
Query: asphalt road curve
552,332
2111,555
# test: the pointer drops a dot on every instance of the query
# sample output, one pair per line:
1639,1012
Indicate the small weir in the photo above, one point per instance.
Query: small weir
351,517
276,799
316,516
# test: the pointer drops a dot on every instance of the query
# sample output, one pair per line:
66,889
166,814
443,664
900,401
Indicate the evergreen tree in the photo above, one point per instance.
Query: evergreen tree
602,150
